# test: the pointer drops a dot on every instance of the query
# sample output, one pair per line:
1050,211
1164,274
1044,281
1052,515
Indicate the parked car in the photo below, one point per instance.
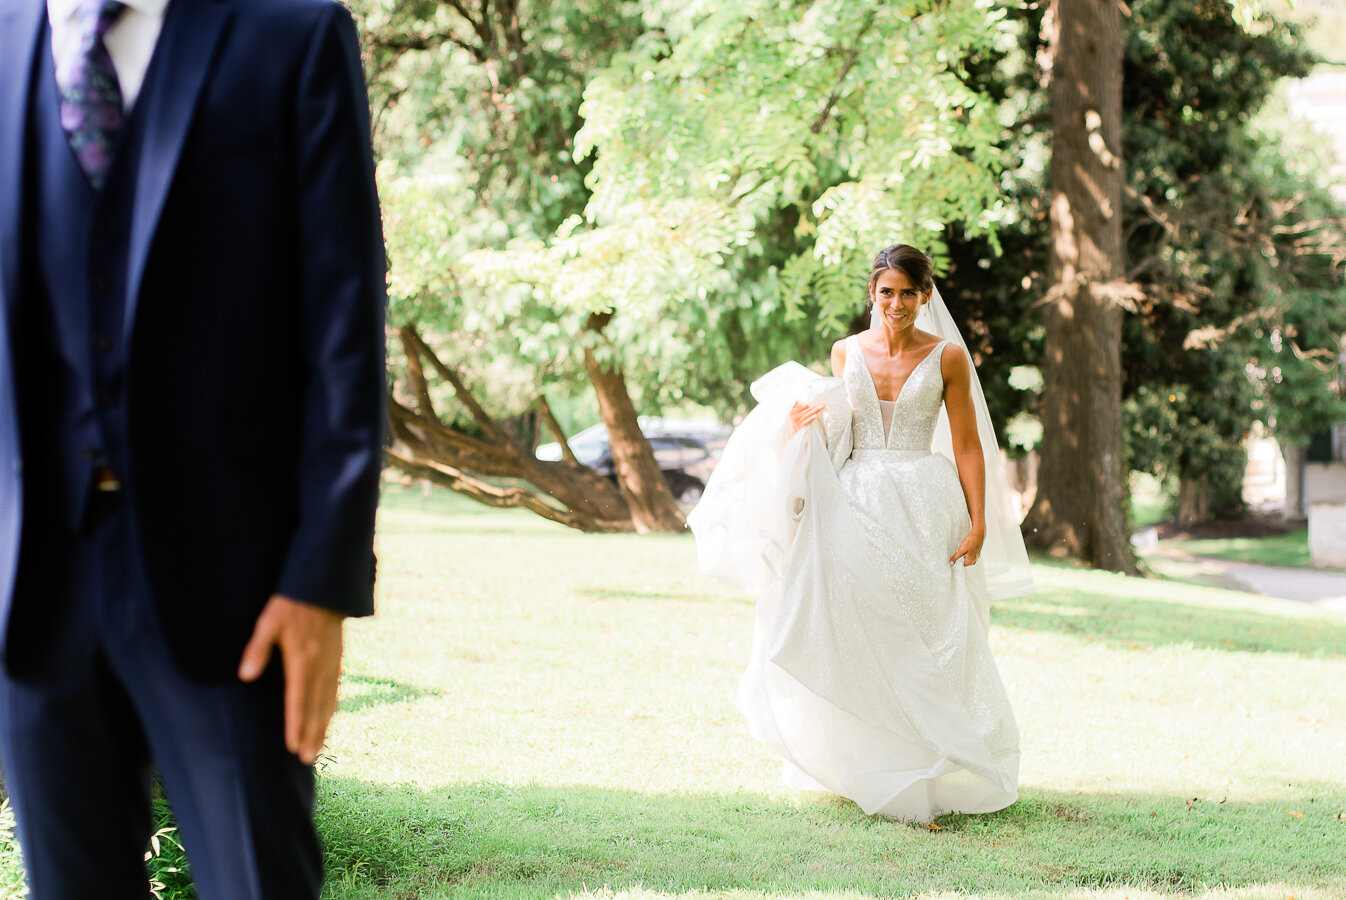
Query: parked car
686,450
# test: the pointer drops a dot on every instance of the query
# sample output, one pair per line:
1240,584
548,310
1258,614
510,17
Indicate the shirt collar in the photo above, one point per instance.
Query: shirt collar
61,10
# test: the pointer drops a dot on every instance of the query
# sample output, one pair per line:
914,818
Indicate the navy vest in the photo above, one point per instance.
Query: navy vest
73,323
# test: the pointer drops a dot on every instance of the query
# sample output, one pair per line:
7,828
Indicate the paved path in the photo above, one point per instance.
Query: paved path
1325,590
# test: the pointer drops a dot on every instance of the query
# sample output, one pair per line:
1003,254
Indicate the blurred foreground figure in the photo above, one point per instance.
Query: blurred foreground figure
191,383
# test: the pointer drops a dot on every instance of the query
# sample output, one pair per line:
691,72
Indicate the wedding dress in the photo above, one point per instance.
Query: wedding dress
870,673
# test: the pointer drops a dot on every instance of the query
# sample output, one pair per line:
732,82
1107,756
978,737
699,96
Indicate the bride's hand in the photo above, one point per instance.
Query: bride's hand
801,415
970,548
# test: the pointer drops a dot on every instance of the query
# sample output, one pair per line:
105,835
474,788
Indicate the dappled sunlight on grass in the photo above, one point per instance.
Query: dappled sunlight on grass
540,713
1275,550
1142,613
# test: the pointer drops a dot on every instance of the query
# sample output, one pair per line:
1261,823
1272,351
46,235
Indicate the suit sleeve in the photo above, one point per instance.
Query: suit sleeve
330,561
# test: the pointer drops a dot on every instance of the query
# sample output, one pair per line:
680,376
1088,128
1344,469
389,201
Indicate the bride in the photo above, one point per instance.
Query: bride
874,558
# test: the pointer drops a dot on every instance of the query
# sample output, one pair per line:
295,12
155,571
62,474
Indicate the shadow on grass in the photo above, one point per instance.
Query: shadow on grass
687,596
1128,621
442,525
361,692
495,840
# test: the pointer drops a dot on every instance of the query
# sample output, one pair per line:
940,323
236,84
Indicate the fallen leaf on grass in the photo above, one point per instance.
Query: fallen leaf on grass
1293,812
933,827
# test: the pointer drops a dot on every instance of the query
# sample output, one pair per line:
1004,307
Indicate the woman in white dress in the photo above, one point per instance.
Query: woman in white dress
874,558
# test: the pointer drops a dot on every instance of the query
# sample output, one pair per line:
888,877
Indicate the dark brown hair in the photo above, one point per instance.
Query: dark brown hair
909,261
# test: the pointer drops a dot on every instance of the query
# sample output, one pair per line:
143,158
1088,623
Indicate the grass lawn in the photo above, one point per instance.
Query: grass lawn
538,713
1150,502
1277,550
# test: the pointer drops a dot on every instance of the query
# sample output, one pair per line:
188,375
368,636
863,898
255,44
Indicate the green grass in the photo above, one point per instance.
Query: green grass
538,713
1291,550
1151,501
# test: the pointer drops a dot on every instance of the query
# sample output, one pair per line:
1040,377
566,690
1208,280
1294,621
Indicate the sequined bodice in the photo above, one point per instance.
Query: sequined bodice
917,409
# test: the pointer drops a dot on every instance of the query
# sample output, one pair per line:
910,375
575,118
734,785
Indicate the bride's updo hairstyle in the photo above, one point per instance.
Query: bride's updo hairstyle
909,261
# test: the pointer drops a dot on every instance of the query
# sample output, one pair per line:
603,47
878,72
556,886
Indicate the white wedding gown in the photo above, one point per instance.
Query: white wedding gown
870,674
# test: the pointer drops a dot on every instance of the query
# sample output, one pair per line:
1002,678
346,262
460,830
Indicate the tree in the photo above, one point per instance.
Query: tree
1080,507
1202,216
740,167
477,108
1224,244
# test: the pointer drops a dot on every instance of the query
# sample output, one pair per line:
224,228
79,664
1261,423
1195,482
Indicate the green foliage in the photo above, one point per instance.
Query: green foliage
1230,237
165,859
474,126
12,886
718,176
1171,430
736,167
170,878
1297,356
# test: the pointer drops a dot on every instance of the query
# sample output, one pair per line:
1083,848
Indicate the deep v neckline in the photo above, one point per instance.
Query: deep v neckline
910,375
887,433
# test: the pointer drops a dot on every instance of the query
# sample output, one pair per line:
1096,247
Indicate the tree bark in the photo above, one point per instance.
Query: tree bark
425,448
1193,501
642,481
1081,503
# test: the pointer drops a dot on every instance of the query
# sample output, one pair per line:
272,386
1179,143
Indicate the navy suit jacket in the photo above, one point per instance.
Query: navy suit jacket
253,328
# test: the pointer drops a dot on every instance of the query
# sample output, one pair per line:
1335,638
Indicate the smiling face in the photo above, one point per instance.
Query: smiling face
897,299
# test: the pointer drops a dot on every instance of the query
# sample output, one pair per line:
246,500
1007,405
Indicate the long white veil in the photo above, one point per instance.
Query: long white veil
1004,556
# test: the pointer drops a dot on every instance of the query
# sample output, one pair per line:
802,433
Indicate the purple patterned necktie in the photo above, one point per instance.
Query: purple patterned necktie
91,97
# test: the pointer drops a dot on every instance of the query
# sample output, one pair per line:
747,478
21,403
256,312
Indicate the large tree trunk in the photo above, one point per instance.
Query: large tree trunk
642,481
1081,503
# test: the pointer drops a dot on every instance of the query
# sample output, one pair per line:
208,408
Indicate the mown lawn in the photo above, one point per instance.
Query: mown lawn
541,714
1276,550
538,713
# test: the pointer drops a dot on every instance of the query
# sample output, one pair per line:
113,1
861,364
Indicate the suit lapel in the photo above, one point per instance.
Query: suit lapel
20,30
192,32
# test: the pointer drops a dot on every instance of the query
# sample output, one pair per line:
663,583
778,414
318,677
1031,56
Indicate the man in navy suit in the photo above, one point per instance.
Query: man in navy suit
191,384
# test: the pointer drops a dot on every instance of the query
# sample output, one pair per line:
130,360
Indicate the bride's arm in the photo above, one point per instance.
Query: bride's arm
802,415
967,452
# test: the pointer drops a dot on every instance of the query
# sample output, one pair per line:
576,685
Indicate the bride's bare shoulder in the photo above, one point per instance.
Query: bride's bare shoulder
839,357
953,363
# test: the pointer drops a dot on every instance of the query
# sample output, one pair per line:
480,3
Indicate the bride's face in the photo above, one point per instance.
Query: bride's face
897,298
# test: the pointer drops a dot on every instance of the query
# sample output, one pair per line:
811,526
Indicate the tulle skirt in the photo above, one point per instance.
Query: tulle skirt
871,674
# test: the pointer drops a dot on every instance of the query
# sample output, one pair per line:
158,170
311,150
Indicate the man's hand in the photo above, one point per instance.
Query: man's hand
309,640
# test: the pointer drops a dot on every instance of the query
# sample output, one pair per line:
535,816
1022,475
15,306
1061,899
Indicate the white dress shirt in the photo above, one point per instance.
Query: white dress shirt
130,41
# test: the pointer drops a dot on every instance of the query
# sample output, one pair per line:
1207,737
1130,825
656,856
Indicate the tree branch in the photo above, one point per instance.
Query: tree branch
852,57
1028,121
431,438
420,388
500,498
549,418
410,337
402,42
